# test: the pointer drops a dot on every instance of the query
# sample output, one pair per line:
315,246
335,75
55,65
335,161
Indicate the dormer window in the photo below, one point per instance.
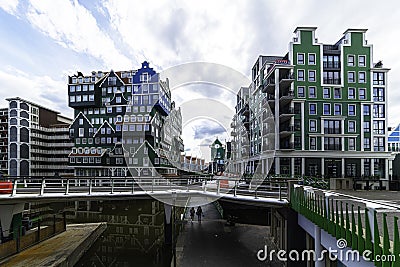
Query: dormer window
112,80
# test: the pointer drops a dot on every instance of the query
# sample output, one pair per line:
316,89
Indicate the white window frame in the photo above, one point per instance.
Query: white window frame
359,61
348,109
309,109
298,76
329,110
312,62
309,92
303,62
348,61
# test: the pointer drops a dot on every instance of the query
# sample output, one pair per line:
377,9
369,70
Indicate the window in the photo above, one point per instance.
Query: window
379,143
331,61
327,92
72,88
338,109
311,59
300,59
313,125
332,143
350,77
327,109
84,98
313,109
81,132
109,109
361,61
337,93
351,110
352,93
332,127
144,77
78,98
379,78
361,77
112,80
352,127
300,91
118,99
312,92
73,79
72,98
361,93
379,111
80,121
379,94
331,77
351,143
84,88
91,87
300,75
366,110
350,60
313,143
367,143
366,126
311,75
379,127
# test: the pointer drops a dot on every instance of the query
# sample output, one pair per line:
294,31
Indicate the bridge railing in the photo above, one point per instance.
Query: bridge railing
25,186
343,220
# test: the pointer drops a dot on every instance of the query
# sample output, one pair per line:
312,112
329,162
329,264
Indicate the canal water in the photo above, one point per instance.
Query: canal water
136,233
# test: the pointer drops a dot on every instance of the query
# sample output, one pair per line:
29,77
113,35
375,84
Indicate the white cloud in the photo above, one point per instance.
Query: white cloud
74,27
10,6
42,90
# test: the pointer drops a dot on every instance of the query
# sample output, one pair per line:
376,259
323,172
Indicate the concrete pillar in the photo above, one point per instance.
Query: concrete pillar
323,167
362,167
6,215
387,171
343,169
318,247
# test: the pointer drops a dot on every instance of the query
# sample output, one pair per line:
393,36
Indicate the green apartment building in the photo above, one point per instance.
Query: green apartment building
329,103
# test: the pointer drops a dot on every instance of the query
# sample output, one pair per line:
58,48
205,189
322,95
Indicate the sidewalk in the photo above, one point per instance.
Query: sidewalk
211,243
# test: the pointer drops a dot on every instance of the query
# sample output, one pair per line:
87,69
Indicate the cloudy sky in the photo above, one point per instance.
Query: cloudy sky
43,41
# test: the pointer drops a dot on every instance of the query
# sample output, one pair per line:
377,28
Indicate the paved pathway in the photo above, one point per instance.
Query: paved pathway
211,243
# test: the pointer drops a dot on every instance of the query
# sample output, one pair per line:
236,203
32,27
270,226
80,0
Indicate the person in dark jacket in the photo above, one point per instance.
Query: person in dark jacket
199,213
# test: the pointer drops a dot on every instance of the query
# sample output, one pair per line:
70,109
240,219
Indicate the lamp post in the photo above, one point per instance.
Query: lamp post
173,228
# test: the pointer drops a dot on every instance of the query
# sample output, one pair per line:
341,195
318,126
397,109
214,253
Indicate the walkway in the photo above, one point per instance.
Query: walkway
64,249
211,243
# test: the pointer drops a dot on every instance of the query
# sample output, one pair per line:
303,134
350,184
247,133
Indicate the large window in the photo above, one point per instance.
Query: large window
331,61
313,109
300,75
379,94
300,91
379,143
351,143
312,92
379,78
351,110
361,77
327,92
350,60
300,59
333,143
379,111
311,75
379,127
367,126
361,61
311,59
332,127
331,77
352,93
352,127
313,125
338,109
327,109
350,77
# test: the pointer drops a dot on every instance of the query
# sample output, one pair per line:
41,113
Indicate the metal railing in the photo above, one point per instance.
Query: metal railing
83,185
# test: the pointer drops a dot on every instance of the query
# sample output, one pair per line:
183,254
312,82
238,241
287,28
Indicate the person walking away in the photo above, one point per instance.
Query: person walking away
192,214
199,213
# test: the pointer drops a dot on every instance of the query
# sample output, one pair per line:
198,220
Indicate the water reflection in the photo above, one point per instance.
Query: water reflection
135,234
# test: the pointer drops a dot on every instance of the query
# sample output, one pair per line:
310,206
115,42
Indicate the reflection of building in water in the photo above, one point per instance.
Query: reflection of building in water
134,227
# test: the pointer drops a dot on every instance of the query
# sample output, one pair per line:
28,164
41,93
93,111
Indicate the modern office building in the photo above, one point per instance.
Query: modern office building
38,140
394,140
329,104
124,122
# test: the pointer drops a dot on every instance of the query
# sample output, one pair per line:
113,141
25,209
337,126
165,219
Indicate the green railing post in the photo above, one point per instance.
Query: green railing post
361,240
368,236
337,223
396,244
342,225
377,247
331,219
386,242
348,232
354,241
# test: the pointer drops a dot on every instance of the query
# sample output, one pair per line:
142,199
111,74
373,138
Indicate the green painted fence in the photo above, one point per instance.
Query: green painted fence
328,213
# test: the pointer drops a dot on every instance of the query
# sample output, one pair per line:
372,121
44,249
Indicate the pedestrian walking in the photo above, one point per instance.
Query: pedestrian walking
199,213
192,212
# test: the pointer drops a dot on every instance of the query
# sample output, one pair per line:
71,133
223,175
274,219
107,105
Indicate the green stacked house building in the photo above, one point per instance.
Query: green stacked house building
329,104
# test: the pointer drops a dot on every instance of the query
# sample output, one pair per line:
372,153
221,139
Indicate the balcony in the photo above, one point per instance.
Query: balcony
286,98
286,131
286,80
331,65
268,85
287,146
